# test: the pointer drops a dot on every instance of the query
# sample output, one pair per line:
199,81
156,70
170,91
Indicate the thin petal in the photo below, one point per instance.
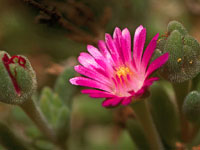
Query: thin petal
94,52
103,48
126,101
117,101
126,45
111,45
117,36
157,63
99,58
149,51
150,81
97,93
138,44
82,81
111,102
139,92
92,74
101,95
87,60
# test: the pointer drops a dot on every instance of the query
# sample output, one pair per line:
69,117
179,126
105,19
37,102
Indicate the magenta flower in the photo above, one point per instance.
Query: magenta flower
113,72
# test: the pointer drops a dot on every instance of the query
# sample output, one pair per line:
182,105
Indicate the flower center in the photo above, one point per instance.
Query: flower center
123,71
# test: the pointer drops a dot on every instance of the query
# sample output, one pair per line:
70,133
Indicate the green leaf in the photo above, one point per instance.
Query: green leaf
164,114
86,107
63,123
56,112
191,106
33,132
172,69
44,145
184,50
64,88
45,103
175,25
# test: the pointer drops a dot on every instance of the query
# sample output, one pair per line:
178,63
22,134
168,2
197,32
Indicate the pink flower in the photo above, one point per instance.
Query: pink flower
113,72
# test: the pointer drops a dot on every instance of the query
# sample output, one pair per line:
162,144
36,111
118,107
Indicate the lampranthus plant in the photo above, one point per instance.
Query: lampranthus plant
116,74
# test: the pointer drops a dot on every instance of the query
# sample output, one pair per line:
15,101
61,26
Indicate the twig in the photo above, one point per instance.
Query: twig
51,14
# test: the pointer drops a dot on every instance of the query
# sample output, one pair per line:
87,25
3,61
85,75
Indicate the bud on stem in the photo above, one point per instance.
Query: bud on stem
17,85
18,79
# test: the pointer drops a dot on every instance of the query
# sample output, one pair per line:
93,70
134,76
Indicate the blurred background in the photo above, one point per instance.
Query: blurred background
52,33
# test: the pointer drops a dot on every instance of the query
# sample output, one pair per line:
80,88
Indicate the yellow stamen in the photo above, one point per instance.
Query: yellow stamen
123,71
158,41
179,60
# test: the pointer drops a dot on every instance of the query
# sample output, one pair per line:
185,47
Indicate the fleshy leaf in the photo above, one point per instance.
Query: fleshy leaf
175,25
164,114
63,88
191,106
184,50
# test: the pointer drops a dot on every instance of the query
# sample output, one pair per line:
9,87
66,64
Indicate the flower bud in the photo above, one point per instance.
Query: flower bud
18,79
184,50
191,106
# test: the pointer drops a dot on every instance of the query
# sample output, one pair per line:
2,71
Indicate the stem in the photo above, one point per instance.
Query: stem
144,116
40,121
181,90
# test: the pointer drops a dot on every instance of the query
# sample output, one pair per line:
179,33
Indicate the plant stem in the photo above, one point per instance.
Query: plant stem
144,116
181,90
34,113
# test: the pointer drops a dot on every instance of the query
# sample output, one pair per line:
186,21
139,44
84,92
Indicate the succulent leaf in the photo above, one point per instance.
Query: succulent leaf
184,50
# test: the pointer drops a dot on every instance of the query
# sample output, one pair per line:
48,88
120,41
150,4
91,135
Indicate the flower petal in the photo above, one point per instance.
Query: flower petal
87,60
99,58
126,45
126,101
97,93
157,63
149,81
138,44
117,36
111,46
140,92
82,81
94,52
103,48
92,74
149,51
111,102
